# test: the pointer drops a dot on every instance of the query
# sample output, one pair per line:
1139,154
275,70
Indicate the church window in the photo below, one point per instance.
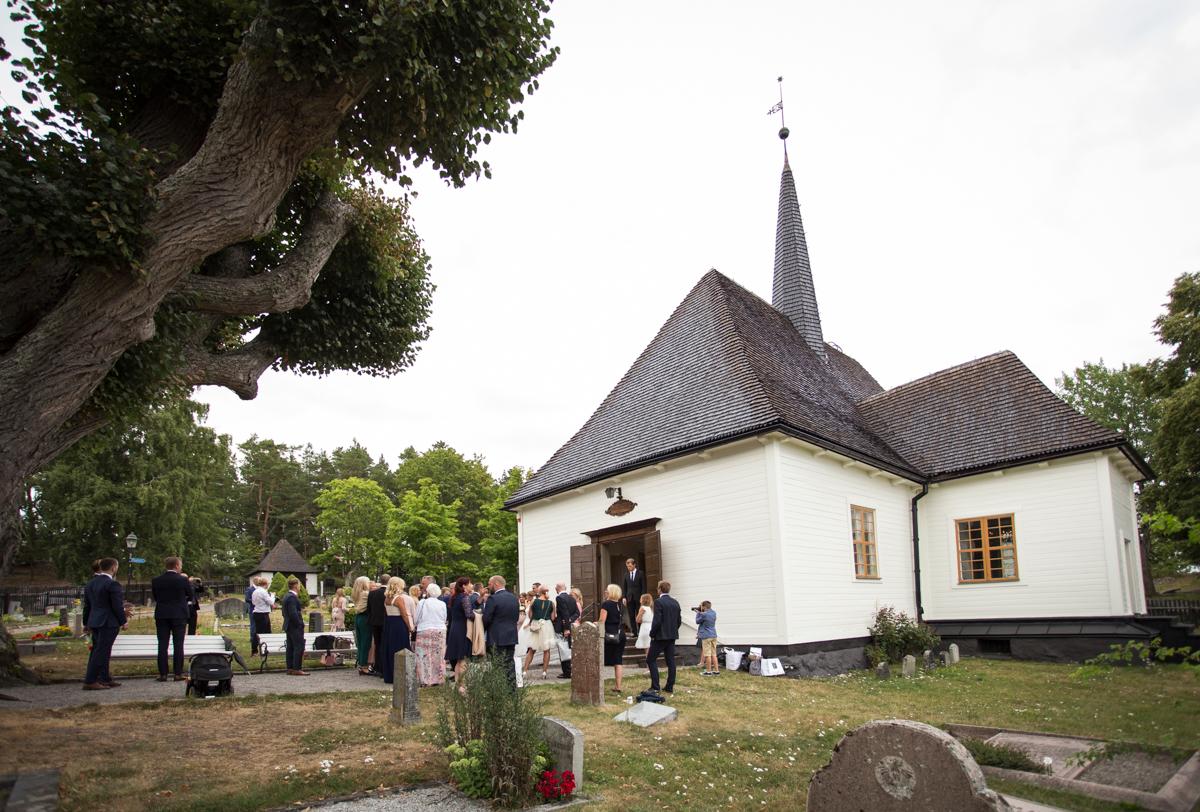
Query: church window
987,549
862,526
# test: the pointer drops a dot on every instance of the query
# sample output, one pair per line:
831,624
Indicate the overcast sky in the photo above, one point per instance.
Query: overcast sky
973,176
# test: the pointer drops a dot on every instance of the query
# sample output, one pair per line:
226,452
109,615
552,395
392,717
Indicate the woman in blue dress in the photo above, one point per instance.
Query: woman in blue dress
458,645
397,626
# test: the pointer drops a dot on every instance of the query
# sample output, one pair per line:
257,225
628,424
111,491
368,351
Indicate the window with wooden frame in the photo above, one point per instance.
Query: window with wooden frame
862,531
987,549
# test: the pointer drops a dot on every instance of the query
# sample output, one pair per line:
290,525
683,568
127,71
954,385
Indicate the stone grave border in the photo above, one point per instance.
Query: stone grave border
1179,794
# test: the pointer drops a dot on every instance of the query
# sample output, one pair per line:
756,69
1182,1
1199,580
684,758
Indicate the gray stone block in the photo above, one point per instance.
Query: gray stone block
566,746
883,671
953,652
645,714
909,668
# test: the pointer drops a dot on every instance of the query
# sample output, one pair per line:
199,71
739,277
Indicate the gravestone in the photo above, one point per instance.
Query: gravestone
566,747
230,608
901,766
945,658
77,624
909,669
645,714
883,671
316,622
587,671
930,662
953,652
405,685
64,617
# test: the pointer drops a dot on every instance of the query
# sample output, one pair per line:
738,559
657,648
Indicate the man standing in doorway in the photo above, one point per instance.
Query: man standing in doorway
105,616
500,616
173,596
633,588
293,627
664,631
566,612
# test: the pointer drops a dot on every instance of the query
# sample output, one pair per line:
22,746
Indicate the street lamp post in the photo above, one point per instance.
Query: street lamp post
131,544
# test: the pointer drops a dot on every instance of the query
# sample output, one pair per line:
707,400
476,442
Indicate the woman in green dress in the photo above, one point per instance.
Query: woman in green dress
362,623
541,616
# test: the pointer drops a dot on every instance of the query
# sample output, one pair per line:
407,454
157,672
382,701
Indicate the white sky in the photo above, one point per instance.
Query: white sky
973,176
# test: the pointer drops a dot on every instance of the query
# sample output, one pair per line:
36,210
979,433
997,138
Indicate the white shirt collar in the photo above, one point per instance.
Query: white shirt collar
105,574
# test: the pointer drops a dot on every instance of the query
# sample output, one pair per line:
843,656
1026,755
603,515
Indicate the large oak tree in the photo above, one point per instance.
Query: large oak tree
191,194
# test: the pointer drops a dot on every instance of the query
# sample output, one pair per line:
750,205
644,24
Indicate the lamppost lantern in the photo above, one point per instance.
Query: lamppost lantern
131,541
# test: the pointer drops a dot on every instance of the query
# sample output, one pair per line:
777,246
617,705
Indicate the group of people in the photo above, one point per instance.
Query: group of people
438,625
106,613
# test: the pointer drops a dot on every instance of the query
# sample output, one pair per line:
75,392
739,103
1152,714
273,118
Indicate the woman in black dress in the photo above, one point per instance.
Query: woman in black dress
458,645
610,620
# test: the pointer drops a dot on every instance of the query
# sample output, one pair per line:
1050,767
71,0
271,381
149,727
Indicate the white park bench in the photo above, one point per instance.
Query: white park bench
276,643
145,646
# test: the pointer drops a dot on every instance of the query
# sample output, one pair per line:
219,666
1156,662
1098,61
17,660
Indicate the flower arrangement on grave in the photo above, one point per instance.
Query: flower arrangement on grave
59,631
555,786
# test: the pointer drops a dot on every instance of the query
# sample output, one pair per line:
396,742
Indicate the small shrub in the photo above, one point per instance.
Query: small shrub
1002,755
469,769
504,726
1137,652
279,587
894,634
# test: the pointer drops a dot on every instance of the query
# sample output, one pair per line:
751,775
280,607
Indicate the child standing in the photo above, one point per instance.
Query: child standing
706,633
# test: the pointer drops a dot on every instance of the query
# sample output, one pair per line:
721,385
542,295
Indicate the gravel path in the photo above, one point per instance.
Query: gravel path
441,797
147,689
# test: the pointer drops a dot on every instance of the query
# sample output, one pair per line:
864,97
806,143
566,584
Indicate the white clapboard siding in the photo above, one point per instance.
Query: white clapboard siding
716,536
1128,552
1067,556
825,600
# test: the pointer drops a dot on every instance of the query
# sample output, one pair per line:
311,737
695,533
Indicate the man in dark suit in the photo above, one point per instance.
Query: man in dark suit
664,631
376,616
173,596
633,587
566,612
500,616
293,627
105,616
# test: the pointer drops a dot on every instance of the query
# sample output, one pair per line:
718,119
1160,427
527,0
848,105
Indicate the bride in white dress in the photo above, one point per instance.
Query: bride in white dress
645,617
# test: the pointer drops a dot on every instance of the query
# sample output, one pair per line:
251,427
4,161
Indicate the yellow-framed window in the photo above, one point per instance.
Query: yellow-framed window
987,549
862,531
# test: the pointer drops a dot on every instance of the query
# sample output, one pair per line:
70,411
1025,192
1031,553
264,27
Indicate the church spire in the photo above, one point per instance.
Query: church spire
793,294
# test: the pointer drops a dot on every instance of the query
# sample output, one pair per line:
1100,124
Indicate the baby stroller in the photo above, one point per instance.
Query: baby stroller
327,643
210,674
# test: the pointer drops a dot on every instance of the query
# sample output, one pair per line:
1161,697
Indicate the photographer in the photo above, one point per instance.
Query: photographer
706,633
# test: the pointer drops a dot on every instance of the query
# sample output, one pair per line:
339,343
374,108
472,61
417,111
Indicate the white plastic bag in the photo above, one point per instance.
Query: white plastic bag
564,649
755,651
733,659
771,667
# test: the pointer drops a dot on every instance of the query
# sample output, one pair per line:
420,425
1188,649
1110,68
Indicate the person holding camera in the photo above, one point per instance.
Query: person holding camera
706,633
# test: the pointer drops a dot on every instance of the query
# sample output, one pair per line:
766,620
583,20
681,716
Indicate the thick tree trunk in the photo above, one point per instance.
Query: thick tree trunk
225,194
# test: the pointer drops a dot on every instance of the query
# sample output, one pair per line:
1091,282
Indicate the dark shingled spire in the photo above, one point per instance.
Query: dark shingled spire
793,294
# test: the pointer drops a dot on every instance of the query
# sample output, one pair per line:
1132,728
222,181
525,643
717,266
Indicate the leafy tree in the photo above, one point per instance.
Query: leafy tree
498,528
278,495
190,195
168,479
354,525
1174,499
424,535
1115,398
279,589
461,480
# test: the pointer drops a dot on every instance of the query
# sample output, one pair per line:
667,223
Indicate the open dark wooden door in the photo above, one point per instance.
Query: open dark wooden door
583,576
653,561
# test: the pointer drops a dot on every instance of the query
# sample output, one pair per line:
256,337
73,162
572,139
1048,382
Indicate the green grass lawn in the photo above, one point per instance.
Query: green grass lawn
741,742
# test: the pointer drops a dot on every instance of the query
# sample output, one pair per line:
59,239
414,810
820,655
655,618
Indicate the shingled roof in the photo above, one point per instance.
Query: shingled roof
988,413
725,364
283,558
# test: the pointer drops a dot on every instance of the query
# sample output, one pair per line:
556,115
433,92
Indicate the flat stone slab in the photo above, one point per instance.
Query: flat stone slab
1058,748
34,792
645,714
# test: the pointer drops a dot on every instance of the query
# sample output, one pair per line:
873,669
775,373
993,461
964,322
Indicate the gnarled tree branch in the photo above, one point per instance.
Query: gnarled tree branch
238,370
285,288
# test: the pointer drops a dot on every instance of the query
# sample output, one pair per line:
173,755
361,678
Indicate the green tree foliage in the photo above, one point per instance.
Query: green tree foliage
459,479
498,528
278,493
424,535
1115,398
168,479
353,522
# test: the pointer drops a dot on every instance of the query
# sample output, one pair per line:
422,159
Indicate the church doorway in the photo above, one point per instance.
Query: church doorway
602,561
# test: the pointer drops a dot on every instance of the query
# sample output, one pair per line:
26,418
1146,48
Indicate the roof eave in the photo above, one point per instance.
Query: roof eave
1119,443
780,426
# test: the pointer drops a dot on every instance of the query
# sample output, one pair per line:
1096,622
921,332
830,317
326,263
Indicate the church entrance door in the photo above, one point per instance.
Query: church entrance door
602,561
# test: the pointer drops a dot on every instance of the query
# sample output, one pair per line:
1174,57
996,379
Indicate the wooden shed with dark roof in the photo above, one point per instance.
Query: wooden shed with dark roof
762,463
284,558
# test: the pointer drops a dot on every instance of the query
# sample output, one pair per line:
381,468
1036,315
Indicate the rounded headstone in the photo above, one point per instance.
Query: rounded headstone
901,766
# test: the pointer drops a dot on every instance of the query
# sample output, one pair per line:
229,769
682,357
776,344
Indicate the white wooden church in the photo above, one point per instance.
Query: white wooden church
774,476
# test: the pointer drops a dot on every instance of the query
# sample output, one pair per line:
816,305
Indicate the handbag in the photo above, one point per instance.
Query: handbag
536,625
564,649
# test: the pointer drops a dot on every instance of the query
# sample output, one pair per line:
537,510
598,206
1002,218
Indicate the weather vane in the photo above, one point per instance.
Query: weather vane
778,108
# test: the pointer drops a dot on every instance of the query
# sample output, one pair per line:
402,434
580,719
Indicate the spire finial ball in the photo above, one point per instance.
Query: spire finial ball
783,133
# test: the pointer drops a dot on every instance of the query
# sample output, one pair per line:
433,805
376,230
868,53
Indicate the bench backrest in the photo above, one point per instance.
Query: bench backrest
146,645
